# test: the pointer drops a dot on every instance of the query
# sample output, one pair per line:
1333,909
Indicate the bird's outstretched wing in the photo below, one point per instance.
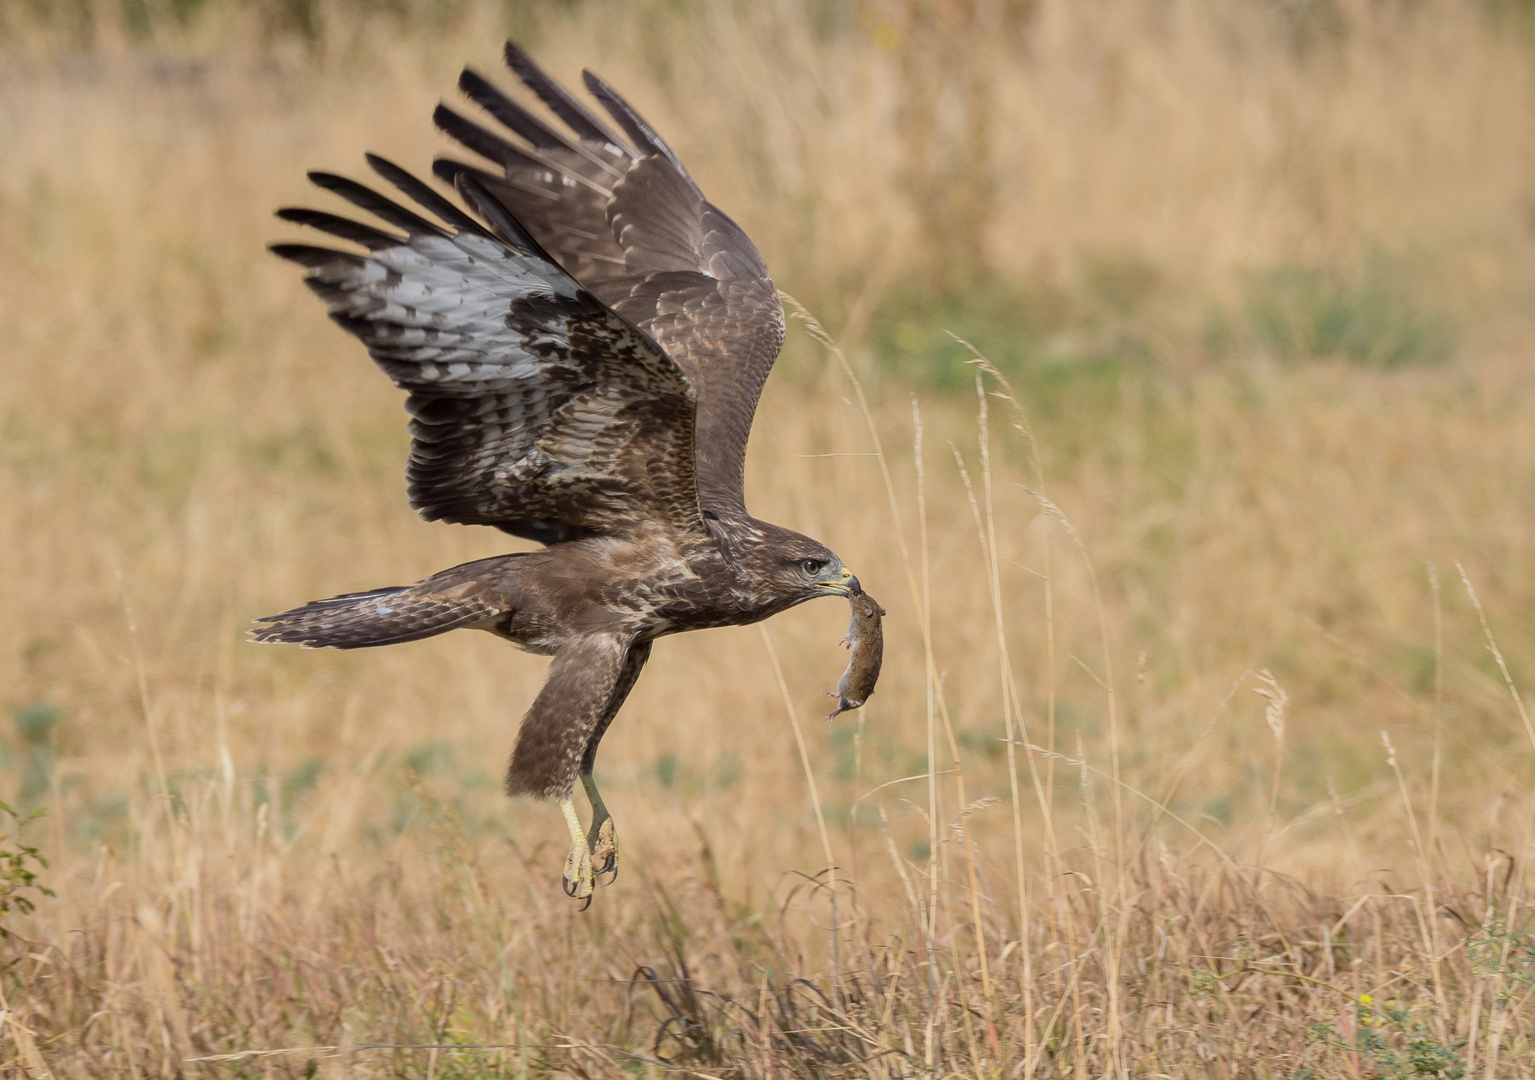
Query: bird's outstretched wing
534,406
628,222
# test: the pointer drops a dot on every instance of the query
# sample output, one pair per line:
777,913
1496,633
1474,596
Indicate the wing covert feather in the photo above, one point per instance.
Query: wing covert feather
632,226
534,406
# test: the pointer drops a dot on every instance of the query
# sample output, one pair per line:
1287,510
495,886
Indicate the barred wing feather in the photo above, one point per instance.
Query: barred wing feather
534,406
626,219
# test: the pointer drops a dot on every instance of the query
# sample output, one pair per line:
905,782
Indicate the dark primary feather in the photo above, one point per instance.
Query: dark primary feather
488,97
650,144
367,199
535,408
477,195
558,100
629,223
486,143
344,228
311,256
414,189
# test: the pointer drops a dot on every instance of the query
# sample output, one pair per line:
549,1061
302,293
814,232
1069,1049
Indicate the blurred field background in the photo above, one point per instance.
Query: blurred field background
1260,275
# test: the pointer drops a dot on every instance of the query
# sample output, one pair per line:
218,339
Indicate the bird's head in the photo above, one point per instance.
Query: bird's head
806,568
783,568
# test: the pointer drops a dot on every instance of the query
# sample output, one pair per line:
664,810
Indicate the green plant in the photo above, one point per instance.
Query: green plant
1298,313
17,878
1507,953
1396,1045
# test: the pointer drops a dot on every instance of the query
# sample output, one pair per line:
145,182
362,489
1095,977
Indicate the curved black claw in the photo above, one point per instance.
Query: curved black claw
609,866
578,881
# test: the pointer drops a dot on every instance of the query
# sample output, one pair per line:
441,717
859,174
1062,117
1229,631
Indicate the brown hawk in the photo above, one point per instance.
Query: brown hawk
583,347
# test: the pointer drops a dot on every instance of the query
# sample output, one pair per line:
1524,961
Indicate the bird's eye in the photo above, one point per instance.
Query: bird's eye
812,566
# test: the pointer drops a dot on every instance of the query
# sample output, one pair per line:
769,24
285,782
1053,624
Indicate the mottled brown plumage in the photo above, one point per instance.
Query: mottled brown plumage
583,348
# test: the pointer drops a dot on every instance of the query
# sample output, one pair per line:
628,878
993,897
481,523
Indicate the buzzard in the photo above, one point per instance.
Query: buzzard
583,343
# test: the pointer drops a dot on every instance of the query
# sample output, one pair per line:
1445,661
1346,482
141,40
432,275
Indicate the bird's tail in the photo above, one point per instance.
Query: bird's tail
380,617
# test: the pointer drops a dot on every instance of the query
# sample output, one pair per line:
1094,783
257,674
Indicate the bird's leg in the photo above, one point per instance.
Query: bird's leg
579,879
601,839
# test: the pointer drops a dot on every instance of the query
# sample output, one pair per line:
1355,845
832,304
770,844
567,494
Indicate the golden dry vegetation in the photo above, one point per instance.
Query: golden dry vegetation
1193,754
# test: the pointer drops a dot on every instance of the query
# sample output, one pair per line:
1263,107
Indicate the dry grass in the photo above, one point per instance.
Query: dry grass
1227,780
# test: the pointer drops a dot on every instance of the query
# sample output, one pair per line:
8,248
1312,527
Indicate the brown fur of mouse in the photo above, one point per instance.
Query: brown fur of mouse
866,642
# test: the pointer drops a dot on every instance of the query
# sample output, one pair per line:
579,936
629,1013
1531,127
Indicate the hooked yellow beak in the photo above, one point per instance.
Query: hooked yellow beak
848,586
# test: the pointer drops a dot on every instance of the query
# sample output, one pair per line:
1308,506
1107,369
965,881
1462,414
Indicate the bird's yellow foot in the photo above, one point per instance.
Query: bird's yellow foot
603,842
579,880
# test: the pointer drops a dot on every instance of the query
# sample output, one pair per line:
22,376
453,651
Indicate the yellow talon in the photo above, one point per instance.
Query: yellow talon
602,840
579,880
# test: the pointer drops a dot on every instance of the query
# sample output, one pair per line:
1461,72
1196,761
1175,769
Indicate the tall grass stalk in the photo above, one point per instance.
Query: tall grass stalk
815,801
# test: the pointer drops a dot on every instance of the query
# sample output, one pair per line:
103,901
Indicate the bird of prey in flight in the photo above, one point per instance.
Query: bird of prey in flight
583,342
